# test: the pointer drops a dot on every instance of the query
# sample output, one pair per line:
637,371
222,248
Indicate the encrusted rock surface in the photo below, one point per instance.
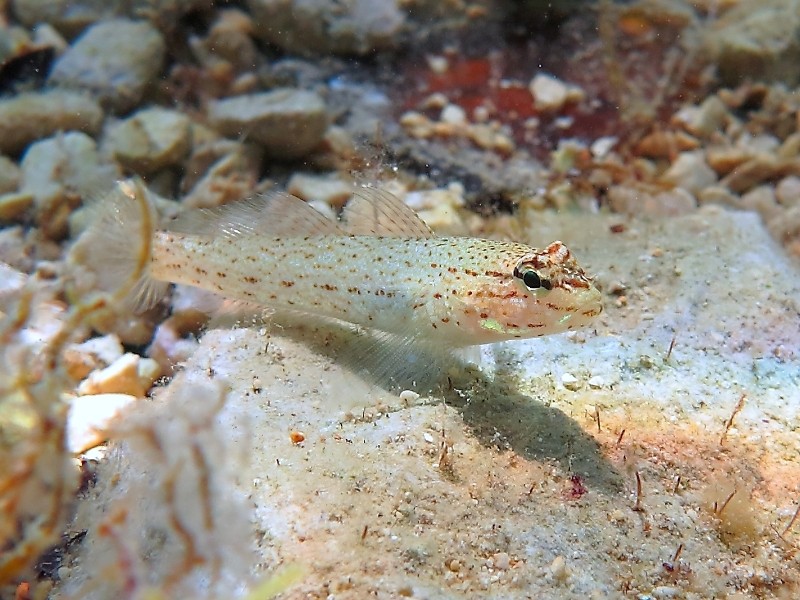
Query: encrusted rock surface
289,123
114,60
150,140
28,117
322,27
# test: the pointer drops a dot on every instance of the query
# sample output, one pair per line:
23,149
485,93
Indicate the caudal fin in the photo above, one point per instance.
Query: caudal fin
116,248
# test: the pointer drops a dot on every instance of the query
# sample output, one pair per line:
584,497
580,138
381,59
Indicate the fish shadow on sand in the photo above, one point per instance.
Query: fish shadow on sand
493,408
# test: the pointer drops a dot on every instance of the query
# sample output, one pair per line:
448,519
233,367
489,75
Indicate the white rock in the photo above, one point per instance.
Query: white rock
11,280
691,172
501,561
453,114
569,381
596,382
89,415
787,191
408,396
671,203
437,63
421,200
550,93
444,220
330,189
602,146
93,354
130,374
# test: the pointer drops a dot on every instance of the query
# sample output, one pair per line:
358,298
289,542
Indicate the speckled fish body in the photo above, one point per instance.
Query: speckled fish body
381,268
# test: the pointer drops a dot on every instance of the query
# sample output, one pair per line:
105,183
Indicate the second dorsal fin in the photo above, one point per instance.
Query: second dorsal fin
273,214
375,212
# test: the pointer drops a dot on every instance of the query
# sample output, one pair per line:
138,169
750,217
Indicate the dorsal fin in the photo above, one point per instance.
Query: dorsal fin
273,214
375,212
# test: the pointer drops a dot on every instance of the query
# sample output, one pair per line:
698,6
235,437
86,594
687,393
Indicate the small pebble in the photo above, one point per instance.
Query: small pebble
130,374
558,569
454,565
663,592
596,382
408,396
569,381
437,63
501,561
602,146
11,281
549,93
787,191
691,172
705,119
453,114
93,354
330,189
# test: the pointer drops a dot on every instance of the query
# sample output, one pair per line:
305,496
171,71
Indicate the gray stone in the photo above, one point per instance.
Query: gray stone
32,116
9,175
115,60
324,27
150,140
73,16
13,39
760,41
289,123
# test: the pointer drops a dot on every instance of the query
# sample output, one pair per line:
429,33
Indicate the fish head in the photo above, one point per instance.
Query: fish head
537,293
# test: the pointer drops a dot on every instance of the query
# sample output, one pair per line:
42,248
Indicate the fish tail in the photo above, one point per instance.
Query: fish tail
117,247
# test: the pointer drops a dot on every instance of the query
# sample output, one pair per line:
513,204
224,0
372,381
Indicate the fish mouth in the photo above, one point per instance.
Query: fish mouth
592,304
592,310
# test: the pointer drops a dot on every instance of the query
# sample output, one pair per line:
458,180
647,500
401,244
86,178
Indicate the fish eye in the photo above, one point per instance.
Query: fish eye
532,280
